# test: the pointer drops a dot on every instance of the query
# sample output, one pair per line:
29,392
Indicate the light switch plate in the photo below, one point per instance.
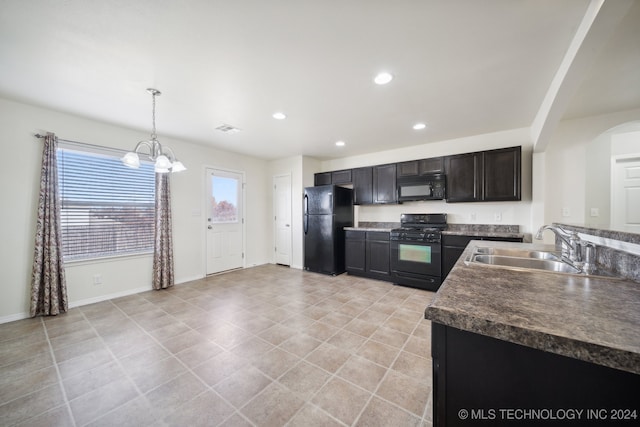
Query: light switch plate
566,212
595,212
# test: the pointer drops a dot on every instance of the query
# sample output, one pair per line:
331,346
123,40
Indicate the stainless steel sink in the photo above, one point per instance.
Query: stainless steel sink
527,263
525,259
518,253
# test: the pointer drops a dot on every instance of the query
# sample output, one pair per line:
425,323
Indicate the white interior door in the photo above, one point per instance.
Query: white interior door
625,203
282,218
225,242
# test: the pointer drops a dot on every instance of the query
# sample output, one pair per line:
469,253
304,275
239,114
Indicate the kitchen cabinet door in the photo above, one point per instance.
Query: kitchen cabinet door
420,167
452,248
431,166
341,177
410,168
384,184
323,178
355,252
501,174
378,255
362,185
493,175
464,177
478,371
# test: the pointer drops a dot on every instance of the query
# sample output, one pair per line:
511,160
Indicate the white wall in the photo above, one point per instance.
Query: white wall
19,186
566,167
620,140
518,213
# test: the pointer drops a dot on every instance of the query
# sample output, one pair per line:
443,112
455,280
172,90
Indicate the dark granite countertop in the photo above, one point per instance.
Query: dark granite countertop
383,229
483,233
588,318
479,230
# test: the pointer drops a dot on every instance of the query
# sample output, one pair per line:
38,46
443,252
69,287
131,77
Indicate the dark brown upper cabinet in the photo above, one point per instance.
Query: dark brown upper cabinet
463,177
484,176
384,184
420,167
341,177
502,174
322,178
362,185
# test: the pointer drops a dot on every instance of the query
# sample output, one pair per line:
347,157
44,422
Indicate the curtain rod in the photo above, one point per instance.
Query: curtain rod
40,136
84,144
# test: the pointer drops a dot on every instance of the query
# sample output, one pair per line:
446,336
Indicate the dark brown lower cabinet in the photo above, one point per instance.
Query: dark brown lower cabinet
355,252
378,257
367,254
483,381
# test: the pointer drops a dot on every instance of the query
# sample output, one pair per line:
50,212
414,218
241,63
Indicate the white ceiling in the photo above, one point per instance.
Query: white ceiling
464,67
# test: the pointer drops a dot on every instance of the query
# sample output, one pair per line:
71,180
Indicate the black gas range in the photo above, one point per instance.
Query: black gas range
416,251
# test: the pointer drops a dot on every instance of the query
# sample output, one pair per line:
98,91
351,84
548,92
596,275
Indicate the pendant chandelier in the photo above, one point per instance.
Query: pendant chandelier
163,157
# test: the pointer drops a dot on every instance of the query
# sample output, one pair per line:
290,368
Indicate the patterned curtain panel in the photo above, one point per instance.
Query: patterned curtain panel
163,247
48,284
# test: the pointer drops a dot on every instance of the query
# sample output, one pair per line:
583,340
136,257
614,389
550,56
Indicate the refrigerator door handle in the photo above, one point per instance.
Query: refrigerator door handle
306,213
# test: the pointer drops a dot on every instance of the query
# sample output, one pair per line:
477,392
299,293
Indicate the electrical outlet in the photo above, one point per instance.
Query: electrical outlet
472,216
566,212
595,212
497,216
97,279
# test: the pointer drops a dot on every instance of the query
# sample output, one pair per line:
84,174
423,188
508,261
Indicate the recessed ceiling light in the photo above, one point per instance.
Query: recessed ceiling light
383,78
340,143
279,116
419,126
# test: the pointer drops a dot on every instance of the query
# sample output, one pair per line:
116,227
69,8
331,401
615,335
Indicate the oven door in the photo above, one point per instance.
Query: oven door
416,263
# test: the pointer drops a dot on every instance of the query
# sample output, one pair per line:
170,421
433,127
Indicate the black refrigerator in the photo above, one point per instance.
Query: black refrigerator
327,210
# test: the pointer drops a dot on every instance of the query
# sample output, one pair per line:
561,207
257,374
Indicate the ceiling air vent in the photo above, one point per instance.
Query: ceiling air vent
227,128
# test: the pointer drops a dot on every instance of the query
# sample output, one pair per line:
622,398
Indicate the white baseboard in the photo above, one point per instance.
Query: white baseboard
14,317
101,298
188,279
87,301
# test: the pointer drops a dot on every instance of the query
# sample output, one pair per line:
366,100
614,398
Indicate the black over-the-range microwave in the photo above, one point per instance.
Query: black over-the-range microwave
425,187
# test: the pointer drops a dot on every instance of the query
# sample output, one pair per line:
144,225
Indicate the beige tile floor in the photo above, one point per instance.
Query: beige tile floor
264,346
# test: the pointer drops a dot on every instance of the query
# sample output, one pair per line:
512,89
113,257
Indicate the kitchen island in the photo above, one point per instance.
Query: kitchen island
506,340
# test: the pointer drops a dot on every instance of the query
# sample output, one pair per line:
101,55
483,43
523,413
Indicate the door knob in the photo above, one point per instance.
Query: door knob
210,227
286,225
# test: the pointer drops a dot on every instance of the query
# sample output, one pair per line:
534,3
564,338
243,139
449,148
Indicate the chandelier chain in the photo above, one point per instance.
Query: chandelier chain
153,118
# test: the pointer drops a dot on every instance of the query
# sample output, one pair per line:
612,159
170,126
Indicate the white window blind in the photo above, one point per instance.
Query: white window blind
107,208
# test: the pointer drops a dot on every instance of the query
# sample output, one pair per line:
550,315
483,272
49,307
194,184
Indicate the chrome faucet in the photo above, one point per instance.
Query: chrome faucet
589,258
571,243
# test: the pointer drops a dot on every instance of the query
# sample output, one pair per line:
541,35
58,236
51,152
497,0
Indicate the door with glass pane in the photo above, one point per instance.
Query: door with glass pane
225,242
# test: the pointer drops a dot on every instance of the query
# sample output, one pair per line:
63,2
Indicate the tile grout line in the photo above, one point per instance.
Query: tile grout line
335,375
60,381
247,295
386,374
117,361
303,359
341,328
332,375
207,387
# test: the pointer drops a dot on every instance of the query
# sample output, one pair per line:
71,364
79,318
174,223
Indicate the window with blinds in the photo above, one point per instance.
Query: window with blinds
107,208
